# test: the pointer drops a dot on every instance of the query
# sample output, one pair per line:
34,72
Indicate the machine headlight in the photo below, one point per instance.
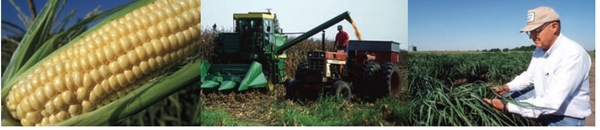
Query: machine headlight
322,55
309,54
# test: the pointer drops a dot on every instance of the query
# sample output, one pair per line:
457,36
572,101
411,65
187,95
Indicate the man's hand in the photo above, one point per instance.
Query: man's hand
501,89
496,103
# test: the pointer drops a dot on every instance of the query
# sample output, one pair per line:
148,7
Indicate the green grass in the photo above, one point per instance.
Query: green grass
329,112
210,116
326,111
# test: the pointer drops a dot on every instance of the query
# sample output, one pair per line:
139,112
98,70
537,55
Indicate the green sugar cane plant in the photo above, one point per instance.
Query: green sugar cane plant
135,56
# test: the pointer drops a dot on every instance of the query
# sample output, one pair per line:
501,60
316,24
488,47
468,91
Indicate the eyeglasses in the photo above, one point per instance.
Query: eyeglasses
539,29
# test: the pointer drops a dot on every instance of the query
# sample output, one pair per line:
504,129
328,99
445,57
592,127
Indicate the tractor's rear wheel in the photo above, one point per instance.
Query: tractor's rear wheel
301,70
367,78
389,81
290,88
341,90
287,82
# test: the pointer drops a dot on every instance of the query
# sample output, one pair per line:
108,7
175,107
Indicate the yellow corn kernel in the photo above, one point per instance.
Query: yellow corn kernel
108,63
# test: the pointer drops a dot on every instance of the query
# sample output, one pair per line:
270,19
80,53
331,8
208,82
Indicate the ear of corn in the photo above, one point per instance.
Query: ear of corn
106,63
138,99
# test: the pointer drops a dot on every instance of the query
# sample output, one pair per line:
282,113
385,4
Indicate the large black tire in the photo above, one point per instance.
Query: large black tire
367,78
389,81
341,91
290,88
287,82
302,70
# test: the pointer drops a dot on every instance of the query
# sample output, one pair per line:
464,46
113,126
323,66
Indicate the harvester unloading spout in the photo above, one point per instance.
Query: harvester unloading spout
323,26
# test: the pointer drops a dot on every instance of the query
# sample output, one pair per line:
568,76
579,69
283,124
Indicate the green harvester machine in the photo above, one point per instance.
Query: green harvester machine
253,57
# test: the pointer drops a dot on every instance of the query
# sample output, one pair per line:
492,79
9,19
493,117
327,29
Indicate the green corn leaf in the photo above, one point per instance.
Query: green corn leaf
33,37
46,49
64,21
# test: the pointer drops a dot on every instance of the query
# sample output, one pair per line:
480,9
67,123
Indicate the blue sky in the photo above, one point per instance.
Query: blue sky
82,7
376,19
433,24
485,24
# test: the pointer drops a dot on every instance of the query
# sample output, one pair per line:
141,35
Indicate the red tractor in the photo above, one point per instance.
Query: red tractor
370,70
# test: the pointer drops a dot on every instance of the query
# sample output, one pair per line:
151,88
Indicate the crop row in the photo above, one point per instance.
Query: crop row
446,89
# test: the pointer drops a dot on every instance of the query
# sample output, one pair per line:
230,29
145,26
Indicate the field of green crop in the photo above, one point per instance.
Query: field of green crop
446,88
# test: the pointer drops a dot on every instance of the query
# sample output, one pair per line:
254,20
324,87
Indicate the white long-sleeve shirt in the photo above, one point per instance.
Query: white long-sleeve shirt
561,80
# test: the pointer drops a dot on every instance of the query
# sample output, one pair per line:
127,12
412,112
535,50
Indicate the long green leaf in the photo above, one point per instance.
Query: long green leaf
35,35
46,49
61,25
59,10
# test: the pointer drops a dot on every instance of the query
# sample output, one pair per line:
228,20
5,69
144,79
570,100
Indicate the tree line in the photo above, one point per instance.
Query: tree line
521,48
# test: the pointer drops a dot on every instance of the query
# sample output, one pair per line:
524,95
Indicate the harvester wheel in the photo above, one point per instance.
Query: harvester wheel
389,83
367,78
341,90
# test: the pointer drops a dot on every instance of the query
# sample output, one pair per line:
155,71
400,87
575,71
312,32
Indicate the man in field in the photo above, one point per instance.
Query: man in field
341,39
558,70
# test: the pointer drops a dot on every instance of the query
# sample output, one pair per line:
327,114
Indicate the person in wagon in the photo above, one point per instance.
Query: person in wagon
341,39
559,71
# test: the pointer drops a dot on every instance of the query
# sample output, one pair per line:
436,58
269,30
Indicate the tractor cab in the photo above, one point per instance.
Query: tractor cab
255,22
255,30
254,36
